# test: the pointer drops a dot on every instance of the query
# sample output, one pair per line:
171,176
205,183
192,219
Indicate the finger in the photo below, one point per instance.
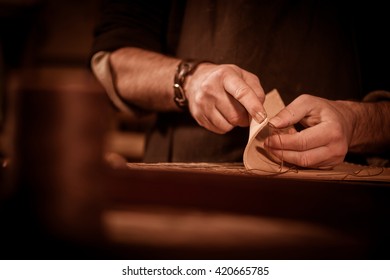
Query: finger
306,139
320,157
215,122
244,94
254,82
233,111
293,113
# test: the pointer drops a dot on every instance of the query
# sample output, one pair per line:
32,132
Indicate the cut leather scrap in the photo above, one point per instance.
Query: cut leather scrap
256,157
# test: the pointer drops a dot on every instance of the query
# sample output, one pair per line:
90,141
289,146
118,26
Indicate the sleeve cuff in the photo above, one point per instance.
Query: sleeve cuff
377,96
100,64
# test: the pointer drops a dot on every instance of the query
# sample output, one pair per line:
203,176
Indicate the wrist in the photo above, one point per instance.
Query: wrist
184,69
350,111
370,134
364,120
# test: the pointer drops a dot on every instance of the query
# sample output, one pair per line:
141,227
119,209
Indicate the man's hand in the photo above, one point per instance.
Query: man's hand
221,97
325,141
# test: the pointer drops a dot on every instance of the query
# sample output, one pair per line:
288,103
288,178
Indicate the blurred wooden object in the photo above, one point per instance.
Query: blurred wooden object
60,119
129,144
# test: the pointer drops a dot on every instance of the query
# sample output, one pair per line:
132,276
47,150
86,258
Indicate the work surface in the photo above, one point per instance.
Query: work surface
343,172
221,211
193,211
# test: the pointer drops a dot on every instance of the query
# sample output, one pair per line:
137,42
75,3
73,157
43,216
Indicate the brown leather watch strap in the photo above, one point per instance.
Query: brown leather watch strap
185,68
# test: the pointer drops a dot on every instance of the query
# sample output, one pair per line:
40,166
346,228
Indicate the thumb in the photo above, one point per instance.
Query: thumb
287,116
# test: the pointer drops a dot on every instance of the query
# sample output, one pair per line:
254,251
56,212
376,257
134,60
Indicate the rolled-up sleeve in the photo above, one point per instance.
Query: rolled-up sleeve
133,23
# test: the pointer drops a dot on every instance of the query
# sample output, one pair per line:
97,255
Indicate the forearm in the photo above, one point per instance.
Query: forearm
370,126
220,97
144,78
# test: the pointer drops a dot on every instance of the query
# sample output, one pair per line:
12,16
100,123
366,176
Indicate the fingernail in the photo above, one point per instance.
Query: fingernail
260,116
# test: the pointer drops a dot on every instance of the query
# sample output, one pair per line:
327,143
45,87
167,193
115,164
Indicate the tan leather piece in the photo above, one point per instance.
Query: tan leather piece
256,156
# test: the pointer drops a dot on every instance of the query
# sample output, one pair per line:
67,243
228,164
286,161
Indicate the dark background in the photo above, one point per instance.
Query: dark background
44,34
